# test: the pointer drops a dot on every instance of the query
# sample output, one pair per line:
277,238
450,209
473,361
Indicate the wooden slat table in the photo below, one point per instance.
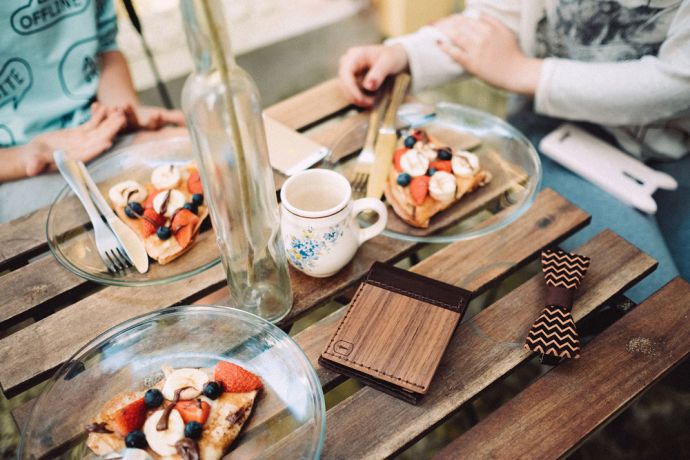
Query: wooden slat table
46,314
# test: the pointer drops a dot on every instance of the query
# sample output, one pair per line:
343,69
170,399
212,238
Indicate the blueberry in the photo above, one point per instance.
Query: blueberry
431,172
444,154
403,179
410,141
134,209
153,398
193,430
212,390
198,199
136,439
164,232
191,207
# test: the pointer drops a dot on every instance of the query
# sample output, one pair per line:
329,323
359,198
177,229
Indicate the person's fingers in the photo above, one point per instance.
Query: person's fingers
111,126
98,113
457,54
377,73
173,117
131,118
353,63
464,39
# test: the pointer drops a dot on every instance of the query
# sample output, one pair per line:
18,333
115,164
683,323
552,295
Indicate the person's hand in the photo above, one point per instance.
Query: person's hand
84,142
486,48
364,68
151,118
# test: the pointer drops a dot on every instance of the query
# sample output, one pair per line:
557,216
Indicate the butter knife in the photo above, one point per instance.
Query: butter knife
387,139
131,243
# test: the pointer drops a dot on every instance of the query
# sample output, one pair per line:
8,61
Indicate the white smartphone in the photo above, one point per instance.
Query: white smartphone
606,166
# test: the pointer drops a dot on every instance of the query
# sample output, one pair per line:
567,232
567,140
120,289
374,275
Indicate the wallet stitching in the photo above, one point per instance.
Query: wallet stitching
417,296
352,307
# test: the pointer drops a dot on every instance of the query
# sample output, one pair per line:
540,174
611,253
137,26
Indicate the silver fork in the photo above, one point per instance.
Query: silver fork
365,159
107,244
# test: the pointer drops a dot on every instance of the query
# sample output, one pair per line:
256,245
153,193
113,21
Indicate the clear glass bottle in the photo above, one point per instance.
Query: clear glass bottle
223,111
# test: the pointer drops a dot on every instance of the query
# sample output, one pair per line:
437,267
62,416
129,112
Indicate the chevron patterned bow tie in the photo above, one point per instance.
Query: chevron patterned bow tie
553,335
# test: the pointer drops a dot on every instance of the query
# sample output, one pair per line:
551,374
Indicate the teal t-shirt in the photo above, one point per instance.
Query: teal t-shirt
49,67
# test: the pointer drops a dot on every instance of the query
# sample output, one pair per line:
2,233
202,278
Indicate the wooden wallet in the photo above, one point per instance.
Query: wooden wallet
395,331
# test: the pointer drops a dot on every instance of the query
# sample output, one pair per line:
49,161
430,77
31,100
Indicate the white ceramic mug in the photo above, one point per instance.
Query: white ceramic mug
318,221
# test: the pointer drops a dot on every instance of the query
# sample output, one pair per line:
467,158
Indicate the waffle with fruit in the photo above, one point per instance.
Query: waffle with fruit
166,213
190,414
428,177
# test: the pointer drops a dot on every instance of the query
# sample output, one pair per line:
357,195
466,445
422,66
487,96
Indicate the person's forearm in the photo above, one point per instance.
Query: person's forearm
22,161
115,87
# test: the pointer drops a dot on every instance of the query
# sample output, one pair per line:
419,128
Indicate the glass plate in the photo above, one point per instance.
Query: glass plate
509,157
71,239
289,410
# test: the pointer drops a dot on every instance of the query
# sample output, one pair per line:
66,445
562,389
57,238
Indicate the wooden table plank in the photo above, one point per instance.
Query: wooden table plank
310,106
550,219
372,424
557,412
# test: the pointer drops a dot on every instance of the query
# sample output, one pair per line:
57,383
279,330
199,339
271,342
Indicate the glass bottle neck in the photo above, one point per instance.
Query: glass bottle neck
195,14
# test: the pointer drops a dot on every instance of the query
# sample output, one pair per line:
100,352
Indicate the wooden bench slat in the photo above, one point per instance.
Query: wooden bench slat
309,106
558,411
550,219
372,424
25,236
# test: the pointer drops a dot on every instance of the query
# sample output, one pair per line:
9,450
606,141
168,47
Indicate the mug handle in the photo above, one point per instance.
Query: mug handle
373,204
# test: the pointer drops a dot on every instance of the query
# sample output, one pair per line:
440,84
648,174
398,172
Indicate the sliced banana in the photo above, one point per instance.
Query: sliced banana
414,163
165,177
130,190
171,200
442,186
194,379
465,163
163,442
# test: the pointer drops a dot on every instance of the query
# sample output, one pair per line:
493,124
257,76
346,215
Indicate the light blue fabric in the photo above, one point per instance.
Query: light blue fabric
49,69
663,236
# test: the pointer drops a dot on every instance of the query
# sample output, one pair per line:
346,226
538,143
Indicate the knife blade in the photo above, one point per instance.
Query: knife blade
387,139
131,243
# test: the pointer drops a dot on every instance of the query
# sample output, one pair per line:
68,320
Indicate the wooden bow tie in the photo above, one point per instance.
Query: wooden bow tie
553,335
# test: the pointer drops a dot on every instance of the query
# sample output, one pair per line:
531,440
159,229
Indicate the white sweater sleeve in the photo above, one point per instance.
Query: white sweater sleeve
621,93
429,65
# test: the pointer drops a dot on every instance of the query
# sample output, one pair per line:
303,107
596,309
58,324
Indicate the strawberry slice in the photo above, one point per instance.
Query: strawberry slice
194,410
130,418
442,165
236,379
396,158
183,224
194,183
419,188
151,221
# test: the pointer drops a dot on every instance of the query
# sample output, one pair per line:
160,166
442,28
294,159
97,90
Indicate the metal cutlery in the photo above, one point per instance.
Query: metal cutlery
365,159
387,139
107,245
131,244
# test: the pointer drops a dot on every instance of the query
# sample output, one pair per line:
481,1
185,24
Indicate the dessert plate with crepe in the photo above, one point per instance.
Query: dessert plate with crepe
453,169
186,382
154,188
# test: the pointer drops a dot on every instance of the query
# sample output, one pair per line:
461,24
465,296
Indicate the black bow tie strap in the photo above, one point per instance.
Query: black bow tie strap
553,335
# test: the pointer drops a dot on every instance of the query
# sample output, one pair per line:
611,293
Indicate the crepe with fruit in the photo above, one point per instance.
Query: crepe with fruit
428,177
166,212
190,414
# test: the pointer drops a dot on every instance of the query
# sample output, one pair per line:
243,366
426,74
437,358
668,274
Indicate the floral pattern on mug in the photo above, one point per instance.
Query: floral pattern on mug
304,251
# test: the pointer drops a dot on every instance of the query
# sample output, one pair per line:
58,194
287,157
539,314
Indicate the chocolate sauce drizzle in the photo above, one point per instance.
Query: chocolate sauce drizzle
97,427
162,424
187,448
236,416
